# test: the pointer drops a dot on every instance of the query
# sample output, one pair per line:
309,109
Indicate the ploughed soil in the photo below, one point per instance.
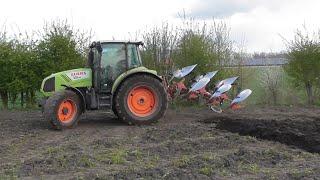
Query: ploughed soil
188,143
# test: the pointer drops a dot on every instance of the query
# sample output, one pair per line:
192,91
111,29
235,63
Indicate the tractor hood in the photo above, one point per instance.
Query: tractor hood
72,78
82,77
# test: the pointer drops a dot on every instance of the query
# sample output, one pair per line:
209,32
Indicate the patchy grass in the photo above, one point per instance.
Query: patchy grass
251,168
118,156
87,161
113,156
53,151
151,160
206,170
9,171
182,162
137,153
62,161
301,174
209,156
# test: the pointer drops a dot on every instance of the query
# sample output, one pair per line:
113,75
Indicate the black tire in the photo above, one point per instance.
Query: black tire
121,97
51,109
114,110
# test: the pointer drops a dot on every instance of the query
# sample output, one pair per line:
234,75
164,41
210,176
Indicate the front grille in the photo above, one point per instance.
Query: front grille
49,85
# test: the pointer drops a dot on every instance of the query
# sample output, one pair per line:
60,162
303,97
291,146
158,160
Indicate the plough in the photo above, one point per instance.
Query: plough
214,99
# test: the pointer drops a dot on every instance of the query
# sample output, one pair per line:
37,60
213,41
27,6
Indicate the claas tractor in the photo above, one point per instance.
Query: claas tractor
114,79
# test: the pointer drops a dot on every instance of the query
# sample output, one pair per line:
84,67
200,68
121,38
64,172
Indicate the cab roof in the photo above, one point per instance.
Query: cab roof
121,42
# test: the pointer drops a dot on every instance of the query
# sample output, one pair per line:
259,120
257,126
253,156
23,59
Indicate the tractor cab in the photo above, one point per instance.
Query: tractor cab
109,59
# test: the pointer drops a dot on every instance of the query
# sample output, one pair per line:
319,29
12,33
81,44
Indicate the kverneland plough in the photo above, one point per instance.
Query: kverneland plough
217,99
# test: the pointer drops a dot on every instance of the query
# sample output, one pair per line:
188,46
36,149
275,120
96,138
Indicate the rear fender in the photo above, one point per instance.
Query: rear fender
123,77
131,72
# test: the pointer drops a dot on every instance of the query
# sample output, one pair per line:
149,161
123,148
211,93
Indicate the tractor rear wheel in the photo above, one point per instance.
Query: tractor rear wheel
63,109
141,99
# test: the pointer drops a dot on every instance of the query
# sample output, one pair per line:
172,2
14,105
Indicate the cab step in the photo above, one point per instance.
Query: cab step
104,101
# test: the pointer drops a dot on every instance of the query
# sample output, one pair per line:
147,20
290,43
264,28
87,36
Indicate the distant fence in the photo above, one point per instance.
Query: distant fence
258,62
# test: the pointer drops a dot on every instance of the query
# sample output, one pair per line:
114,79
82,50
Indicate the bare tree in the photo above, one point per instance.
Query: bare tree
160,43
270,79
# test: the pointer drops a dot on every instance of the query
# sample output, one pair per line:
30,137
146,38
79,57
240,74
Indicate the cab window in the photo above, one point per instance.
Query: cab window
133,56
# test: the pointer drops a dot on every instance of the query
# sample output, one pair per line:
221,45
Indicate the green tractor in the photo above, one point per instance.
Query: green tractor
114,79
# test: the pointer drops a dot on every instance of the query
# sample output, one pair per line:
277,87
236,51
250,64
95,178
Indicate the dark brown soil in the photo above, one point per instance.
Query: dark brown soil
291,126
187,144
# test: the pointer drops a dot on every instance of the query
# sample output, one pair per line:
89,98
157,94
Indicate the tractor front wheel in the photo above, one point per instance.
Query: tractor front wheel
141,99
63,109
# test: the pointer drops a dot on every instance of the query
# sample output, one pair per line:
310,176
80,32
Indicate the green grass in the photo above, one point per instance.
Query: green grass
52,151
182,162
113,156
137,153
87,161
251,168
206,170
118,156
208,156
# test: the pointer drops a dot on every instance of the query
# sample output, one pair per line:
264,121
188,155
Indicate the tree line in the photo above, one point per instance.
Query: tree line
26,59
207,44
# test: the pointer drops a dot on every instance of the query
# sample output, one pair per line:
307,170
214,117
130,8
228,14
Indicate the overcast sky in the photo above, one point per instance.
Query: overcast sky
258,23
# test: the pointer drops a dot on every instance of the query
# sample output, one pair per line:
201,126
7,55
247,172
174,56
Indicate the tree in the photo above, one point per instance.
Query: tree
6,52
270,79
304,61
205,44
222,46
27,74
159,44
195,49
62,47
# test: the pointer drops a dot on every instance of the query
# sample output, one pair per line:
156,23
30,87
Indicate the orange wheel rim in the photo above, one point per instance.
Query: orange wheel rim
67,110
142,101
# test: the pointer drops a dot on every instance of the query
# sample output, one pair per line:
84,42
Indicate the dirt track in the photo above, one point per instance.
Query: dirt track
187,144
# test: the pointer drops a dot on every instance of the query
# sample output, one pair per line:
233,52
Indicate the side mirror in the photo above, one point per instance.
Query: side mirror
98,47
90,59
92,45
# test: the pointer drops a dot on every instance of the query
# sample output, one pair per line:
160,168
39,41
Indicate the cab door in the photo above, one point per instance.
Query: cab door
113,64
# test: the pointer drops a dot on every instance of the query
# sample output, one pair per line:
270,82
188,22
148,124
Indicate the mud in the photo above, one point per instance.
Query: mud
187,143
291,126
